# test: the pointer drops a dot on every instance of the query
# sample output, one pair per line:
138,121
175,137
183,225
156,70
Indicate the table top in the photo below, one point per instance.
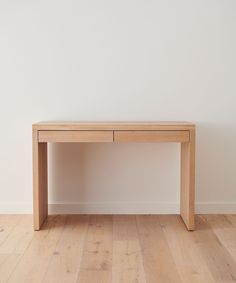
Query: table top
113,125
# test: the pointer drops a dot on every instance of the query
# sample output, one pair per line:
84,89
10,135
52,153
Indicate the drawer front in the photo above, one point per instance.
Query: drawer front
151,136
75,136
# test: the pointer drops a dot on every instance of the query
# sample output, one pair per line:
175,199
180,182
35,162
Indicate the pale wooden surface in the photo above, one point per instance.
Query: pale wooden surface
182,132
40,181
142,126
151,136
75,136
118,249
187,186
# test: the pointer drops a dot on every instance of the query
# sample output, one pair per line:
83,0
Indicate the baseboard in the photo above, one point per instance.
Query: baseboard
115,208
119,208
216,207
16,207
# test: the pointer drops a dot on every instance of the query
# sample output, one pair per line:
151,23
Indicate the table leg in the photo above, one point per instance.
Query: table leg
40,181
187,192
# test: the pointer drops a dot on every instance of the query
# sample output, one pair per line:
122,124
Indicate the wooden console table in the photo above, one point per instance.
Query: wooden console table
61,132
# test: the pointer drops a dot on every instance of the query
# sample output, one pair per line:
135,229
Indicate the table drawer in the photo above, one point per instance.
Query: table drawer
151,136
75,136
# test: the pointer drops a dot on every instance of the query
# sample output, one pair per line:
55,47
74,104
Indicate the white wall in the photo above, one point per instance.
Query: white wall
118,60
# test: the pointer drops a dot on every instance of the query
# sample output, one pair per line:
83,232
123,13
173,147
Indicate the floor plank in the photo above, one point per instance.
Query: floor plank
66,259
159,265
118,249
7,224
127,264
224,230
217,258
33,265
8,263
186,254
231,218
15,244
20,236
97,255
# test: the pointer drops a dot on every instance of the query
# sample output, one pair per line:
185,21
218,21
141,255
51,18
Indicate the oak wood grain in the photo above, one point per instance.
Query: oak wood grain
100,126
118,249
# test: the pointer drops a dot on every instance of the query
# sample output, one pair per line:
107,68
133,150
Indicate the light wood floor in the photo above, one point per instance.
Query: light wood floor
152,249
